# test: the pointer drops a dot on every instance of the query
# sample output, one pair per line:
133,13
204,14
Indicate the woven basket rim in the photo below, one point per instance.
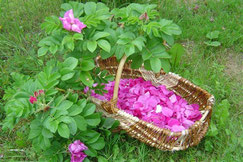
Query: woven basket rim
208,108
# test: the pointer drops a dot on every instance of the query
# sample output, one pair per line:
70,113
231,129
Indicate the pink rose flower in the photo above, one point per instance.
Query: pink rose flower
76,149
71,23
32,99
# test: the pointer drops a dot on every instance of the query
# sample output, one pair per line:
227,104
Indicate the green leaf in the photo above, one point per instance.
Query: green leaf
34,133
91,152
52,125
165,64
222,112
73,127
68,41
137,62
155,48
147,65
75,110
47,133
99,144
76,6
73,97
89,109
86,78
87,65
169,28
213,43
139,43
155,64
70,63
99,35
90,8
51,24
104,44
65,119
64,105
93,138
42,51
93,120
53,49
81,122
102,159
78,36
213,131
168,38
213,35
108,123
67,76
129,49
176,52
105,55
63,130
91,45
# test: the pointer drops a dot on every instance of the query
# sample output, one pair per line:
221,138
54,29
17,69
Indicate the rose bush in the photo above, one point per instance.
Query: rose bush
51,105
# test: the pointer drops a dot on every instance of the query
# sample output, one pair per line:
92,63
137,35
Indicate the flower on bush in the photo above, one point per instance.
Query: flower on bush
76,149
32,99
71,23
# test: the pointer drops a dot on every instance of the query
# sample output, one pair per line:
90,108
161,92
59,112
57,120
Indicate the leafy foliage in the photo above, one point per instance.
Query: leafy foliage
62,112
213,36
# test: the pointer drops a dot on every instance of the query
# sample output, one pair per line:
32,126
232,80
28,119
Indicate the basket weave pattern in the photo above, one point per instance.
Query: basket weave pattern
146,132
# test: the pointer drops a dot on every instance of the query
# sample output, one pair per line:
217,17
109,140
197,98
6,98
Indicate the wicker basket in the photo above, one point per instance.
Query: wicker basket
146,132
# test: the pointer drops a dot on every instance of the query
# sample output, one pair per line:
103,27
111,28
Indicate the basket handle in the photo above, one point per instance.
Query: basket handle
111,106
118,77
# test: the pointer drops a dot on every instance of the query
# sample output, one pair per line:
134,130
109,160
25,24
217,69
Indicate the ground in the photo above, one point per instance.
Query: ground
219,70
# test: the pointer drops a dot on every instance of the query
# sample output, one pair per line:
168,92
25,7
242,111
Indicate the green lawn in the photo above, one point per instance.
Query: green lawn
219,70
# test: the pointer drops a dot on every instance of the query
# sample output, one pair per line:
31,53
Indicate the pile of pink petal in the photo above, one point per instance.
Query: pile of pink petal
156,105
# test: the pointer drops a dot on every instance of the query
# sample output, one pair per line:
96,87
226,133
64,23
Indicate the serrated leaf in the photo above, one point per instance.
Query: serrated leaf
104,44
63,130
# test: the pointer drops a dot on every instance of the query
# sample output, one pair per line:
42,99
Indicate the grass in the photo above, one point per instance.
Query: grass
216,69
